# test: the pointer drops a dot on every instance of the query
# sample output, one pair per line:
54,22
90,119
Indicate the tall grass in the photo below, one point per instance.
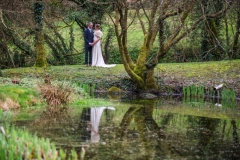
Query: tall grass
20,144
193,93
228,94
228,98
4,117
197,93
88,88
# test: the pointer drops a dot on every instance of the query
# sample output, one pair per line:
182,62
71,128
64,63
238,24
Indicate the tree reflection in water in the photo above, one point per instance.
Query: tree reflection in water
146,129
146,132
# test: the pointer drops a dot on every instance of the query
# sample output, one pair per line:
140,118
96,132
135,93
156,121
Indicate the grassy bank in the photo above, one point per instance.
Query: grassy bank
168,75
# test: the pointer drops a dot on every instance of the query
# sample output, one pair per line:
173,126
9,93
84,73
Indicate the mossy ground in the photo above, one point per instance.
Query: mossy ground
168,75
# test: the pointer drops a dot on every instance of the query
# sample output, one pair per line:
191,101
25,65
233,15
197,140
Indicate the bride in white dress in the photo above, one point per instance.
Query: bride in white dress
97,57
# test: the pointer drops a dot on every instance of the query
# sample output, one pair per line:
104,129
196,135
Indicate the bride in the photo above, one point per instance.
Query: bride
97,57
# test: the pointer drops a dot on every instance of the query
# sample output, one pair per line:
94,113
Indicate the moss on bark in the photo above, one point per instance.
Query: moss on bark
41,60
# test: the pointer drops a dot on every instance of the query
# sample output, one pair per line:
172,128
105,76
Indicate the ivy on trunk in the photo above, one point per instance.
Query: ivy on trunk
41,60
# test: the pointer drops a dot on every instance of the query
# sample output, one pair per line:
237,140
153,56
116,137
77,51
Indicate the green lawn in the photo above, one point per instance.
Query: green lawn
208,74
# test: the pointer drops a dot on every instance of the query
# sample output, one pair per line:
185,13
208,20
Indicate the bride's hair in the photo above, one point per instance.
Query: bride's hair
97,26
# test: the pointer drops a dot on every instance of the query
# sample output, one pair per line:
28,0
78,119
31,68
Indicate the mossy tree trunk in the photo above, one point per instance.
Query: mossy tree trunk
41,59
155,16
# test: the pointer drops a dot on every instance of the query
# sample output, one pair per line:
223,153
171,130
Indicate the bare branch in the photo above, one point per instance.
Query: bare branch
1,17
174,41
141,22
144,11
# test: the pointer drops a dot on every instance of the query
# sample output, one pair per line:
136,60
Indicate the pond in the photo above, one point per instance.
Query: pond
163,128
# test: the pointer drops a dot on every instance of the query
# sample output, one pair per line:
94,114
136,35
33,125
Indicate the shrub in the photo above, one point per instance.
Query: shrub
55,95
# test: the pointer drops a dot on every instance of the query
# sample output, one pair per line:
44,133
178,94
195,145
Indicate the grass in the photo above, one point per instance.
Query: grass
20,144
18,96
207,74
170,75
90,102
201,70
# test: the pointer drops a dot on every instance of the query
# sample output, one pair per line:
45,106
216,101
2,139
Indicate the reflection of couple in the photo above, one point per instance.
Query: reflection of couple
93,51
93,115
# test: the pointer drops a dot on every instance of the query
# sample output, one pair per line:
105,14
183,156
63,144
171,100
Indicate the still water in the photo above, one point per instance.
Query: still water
163,128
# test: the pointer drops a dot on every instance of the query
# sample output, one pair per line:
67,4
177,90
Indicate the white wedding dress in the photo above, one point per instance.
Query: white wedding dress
97,57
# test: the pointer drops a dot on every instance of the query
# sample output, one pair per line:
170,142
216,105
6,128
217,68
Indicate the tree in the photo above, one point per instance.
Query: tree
235,47
211,45
88,10
41,60
156,15
11,23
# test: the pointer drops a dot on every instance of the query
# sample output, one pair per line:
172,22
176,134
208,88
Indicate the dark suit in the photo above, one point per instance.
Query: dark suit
88,38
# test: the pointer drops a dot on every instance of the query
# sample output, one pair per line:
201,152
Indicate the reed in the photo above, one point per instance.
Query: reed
184,90
193,93
228,98
20,144
170,91
228,94
4,116
210,92
88,88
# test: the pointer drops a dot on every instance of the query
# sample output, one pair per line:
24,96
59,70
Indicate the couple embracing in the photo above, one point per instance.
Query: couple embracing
93,51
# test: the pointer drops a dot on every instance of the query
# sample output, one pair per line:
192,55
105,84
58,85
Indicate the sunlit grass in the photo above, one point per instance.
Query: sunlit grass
202,70
194,69
24,96
91,102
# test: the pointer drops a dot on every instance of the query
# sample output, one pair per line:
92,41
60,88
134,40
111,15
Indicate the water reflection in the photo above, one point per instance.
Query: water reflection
89,125
150,129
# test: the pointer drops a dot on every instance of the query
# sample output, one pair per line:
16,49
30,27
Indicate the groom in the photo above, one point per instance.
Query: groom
88,38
